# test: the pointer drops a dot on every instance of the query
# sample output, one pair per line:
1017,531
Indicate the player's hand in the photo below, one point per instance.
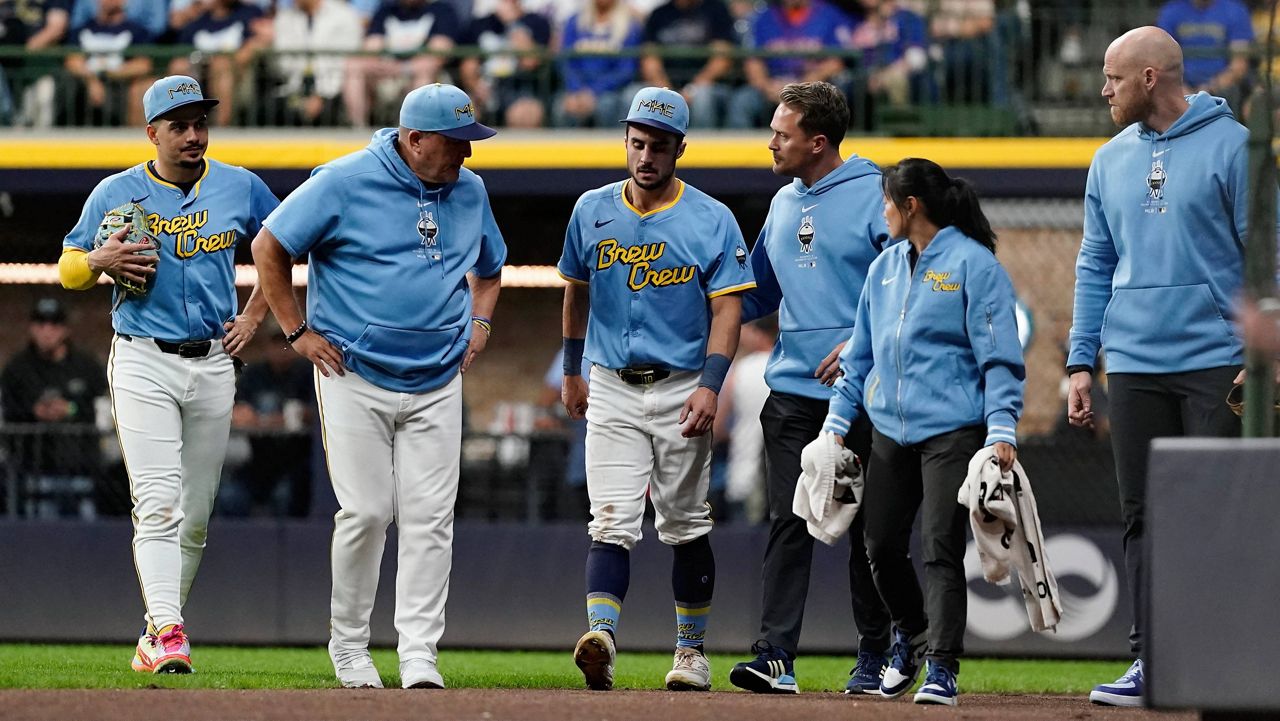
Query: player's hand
1079,400
479,340
699,412
573,393
829,369
1006,454
240,330
322,354
119,259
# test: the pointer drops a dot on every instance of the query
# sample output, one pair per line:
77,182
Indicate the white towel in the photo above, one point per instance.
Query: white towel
1006,529
828,472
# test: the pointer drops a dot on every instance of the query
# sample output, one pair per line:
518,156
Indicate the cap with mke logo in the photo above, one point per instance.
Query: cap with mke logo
660,108
444,109
171,93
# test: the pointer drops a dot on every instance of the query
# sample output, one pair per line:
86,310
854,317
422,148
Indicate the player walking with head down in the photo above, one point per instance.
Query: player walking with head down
654,269
405,269
171,372
823,230
935,363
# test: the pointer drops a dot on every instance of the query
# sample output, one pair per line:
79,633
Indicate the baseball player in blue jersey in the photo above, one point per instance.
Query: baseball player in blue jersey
655,269
405,266
171,370
822,232
935,364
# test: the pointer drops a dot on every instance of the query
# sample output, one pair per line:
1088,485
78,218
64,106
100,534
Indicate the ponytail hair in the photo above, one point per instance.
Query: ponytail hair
945,200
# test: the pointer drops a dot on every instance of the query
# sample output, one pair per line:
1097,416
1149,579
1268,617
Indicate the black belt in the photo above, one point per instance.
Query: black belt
642,376
190,349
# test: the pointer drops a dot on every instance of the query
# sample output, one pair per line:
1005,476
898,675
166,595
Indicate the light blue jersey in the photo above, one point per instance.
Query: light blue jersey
935,347
810,262
651,274
388,263
193,290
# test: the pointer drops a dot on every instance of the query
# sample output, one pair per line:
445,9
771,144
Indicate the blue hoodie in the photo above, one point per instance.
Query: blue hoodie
388,263
1163,253
935,349
810,262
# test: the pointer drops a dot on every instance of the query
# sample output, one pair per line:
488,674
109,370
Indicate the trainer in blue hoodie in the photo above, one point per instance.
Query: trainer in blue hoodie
810,260
1160,266
936,364
391,233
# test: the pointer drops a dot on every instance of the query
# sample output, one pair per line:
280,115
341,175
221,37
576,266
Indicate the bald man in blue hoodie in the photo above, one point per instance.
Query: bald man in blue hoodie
823,230
1161,262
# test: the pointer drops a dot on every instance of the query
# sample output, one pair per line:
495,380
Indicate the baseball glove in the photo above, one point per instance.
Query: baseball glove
113,221
1235,399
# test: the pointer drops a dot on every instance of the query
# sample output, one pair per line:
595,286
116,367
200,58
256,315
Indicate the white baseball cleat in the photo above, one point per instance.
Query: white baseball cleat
354,668
420,673
690,672
595,654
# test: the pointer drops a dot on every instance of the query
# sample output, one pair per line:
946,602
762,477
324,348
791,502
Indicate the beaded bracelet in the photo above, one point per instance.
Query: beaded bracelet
297,333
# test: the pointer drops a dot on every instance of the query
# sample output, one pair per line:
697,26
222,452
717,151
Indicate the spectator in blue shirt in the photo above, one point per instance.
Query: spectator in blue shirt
795,25
112,84
691,25
401,30
153,15
502,84
894,42
1215,36
597,89
227,37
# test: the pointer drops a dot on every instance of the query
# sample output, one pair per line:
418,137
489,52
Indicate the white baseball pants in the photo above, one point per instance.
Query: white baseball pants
173,418
392,457
633,446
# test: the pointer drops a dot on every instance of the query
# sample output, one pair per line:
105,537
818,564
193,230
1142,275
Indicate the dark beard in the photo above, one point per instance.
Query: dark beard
661,182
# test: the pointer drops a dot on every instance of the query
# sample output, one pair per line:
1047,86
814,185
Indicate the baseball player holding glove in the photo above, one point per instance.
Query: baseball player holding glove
405,263
171,371
658,267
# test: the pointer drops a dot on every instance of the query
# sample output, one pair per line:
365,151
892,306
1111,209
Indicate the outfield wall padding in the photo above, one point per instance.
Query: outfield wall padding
513,586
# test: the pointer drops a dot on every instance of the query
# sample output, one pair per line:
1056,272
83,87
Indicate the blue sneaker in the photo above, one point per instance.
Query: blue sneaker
1125,691
904,663
866,675
773,671
939,686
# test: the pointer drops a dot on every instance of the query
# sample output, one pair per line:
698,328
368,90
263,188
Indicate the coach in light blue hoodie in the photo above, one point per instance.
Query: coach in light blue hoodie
822,232
936,364
1160,265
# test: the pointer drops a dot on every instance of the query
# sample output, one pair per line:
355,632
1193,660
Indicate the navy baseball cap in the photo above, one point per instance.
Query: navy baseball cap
660,108
171,93
444,109
48,310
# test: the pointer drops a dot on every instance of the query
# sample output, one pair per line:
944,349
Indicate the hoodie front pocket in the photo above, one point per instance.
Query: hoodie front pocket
1181,318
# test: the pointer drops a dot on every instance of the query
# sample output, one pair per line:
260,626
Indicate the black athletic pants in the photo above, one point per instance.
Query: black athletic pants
790,422
1148,406
900,481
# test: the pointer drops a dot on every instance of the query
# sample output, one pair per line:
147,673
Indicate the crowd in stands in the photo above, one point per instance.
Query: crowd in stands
528,63
563,63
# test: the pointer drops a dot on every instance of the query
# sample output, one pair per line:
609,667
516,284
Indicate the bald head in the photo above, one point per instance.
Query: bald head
1148,47
1143,69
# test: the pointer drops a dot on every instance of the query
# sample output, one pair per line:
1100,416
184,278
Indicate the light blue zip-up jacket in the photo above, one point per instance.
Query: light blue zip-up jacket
810,262
1162,259
935,349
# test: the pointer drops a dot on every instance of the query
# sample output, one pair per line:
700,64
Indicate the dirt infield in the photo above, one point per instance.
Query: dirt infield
526,705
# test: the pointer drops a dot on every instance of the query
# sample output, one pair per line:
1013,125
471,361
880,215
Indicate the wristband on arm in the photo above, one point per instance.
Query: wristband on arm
1072,370
573,348
714,371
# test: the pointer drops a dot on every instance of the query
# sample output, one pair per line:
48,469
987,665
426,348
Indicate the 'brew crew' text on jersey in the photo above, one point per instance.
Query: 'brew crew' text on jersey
193,290
652,273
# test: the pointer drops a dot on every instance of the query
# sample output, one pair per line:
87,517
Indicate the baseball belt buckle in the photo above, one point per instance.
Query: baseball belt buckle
642,376
194,349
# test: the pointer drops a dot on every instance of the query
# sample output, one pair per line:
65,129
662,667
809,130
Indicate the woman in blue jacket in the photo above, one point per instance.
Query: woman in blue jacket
936,365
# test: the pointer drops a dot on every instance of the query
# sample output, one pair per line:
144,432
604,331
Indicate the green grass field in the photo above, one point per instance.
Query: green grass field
98,666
